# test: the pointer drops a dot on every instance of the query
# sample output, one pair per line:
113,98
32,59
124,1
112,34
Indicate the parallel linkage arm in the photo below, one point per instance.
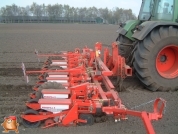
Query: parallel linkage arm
146,117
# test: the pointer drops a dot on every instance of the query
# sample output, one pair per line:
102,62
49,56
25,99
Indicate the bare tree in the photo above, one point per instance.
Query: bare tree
44,10
66,11
104,13
36,10
3,13
56,11
82,13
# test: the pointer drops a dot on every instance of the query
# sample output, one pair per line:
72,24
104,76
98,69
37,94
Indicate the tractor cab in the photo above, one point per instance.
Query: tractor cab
157,10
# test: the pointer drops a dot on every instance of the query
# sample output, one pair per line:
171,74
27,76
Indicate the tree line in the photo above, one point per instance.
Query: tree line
53,12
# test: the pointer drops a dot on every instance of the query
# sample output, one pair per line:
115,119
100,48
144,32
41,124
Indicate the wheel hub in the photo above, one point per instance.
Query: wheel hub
163,58
167,62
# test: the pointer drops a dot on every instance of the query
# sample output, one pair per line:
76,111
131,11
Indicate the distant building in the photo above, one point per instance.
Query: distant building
99,20
0,19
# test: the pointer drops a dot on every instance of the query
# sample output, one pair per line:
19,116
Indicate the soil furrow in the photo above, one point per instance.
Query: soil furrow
14,71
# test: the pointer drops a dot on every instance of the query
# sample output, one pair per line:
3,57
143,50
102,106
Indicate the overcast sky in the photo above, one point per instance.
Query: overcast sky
111,4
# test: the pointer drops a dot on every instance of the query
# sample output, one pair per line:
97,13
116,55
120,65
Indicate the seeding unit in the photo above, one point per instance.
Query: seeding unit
74,88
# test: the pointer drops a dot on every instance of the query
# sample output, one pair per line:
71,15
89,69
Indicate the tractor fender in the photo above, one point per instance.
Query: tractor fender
148,26
127,28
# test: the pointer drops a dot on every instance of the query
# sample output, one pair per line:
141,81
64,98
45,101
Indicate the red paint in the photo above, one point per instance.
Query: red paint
85,73
167,62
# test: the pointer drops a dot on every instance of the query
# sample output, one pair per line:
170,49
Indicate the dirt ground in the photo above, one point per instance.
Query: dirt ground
17,44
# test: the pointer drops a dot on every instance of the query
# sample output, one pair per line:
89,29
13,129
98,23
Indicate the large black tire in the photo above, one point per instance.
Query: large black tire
145,59
49,59
48,85
49,62
124,50
88,117
30,124
49,67
55,57
55,68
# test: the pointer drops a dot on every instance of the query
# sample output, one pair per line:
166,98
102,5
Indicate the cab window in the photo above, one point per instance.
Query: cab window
146,8
165,9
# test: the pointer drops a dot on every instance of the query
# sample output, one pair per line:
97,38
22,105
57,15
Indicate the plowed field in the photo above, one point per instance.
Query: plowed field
17,45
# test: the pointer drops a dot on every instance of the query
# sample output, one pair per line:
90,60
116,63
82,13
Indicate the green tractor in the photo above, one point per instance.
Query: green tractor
150,44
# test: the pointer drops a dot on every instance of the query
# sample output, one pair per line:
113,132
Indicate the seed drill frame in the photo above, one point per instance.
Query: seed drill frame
88,91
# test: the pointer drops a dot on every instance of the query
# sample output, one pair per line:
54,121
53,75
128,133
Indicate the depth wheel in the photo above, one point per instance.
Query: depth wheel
156,59
88,117
30,124
49,122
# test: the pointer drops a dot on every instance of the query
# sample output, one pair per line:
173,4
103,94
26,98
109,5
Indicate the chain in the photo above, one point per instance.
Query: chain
164,109
143,104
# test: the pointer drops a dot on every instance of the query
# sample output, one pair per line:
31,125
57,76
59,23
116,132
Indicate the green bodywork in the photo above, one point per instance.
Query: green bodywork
129,26
154,13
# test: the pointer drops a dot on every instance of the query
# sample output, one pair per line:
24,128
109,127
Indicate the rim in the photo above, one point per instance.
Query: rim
166,62
49,122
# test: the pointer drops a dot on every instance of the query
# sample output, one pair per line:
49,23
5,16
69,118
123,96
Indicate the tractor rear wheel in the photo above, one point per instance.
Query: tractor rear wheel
156,59
124,50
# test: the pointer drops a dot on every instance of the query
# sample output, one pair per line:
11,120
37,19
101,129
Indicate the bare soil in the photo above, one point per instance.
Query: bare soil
17,44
